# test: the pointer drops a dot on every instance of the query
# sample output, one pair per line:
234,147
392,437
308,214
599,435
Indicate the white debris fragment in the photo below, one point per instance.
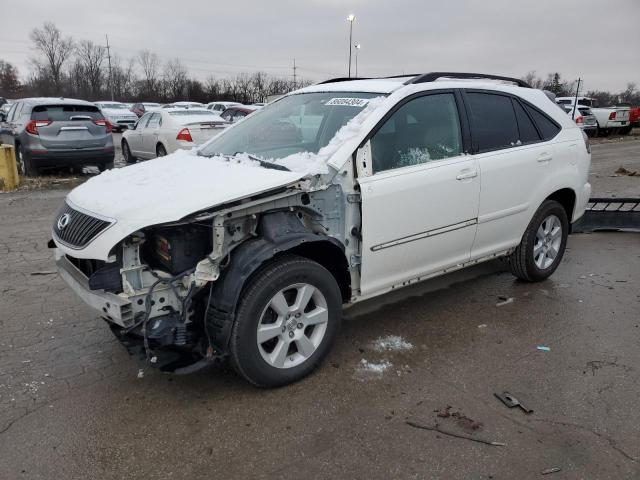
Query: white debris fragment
367,366
505,302
482,325
141,373
391,343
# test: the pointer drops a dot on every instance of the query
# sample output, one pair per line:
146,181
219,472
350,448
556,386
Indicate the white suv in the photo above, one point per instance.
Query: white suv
249,247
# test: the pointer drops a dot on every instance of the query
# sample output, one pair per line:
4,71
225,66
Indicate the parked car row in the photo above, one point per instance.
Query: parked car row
69,133
614,119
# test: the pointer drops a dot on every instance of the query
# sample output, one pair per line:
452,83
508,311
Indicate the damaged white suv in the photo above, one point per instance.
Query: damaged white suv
249,247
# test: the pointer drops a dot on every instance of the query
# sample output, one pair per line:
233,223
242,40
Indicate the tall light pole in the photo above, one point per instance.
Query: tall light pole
350,19
357,46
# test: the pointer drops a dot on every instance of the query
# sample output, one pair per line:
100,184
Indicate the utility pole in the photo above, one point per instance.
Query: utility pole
109,60
294,74
575,102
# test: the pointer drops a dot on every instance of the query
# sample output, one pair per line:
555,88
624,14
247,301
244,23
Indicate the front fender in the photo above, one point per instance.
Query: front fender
279,232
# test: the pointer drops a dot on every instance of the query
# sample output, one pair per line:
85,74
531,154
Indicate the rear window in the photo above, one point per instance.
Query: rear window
547,127
190,113
494,121
66,112
585,111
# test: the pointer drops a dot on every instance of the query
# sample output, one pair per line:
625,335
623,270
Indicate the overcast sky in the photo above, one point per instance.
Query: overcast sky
598,40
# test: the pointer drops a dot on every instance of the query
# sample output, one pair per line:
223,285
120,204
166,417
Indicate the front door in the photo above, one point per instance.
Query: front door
420,203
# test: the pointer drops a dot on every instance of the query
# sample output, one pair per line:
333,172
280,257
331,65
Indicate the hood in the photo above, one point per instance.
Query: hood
168,189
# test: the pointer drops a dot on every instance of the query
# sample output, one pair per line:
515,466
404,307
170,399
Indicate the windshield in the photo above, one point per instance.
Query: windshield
296,124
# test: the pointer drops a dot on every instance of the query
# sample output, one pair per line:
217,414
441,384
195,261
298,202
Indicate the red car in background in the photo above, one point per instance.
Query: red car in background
235,113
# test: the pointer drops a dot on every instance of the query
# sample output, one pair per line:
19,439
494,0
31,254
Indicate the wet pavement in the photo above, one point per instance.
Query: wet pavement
72,404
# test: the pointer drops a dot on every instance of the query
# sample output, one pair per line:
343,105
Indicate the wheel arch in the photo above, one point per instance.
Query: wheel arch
281,233
567,198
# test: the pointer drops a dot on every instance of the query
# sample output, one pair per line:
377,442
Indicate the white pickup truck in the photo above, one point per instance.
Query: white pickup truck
610,119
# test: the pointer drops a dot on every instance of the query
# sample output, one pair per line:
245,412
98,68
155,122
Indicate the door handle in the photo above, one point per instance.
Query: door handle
466,174
545,157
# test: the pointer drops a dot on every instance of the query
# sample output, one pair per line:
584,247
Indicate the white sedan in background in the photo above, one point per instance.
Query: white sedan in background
118,114
158,133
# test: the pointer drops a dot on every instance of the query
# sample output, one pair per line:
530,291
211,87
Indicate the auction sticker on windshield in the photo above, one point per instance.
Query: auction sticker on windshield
349,102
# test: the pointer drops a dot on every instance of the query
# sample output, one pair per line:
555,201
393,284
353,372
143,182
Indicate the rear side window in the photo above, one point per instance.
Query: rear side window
547,127
494,121
66,112
528,132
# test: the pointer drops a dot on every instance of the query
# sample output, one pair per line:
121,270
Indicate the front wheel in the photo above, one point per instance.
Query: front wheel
286,320
542,245
126,153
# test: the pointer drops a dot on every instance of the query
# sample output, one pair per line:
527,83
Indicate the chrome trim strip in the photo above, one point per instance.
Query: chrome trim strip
428,233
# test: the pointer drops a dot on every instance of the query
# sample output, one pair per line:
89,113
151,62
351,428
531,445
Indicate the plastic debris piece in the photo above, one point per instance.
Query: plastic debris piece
482,325
140,373
544,348
505,301
550,470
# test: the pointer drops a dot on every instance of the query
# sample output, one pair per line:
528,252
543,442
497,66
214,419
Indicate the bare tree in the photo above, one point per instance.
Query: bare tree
9,82
124,78
55,48
175,79
91,56
150,65
532,79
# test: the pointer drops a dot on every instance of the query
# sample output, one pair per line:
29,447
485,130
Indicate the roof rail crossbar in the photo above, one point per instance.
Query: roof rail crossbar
433,76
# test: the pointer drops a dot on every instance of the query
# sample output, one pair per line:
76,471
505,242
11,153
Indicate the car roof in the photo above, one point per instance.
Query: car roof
54,100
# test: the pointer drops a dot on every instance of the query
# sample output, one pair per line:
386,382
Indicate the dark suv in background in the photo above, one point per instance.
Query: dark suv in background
57,132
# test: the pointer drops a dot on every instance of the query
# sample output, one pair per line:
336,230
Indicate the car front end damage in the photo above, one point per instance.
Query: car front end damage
168,292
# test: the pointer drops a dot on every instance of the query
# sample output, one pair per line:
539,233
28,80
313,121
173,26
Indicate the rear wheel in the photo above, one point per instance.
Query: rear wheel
286,321
542,245
23,160
625,130
105,166
126,153
160,150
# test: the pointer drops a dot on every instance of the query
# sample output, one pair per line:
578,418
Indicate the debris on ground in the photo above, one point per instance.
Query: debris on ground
511,401
437,428
367,366
391,343
444,412
550,470
543,348
624,172
504,301
44,272
141,373
461,419
482,325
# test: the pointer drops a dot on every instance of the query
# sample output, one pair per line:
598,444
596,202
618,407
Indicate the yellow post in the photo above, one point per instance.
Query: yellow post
9,178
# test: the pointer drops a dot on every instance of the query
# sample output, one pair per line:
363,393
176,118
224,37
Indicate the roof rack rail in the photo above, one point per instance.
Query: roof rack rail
433,76
342,79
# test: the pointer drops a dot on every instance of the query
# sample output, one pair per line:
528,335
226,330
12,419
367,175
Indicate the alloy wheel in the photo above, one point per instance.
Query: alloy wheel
548,241
292,325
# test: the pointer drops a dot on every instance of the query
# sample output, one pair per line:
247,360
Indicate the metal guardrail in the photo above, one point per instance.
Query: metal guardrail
609,214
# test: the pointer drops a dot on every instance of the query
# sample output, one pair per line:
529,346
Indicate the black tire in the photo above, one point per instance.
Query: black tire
25,167
246,357
592,133
522,261
625,130
105,166
604,132
160,150
126,153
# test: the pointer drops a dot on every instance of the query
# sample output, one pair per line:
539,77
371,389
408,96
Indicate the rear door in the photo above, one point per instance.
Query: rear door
70,127
420,205
150,134
514,159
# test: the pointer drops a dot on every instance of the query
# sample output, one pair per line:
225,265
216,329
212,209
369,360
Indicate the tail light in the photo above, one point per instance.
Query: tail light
32,126
579,120
104,123
612,116
185,135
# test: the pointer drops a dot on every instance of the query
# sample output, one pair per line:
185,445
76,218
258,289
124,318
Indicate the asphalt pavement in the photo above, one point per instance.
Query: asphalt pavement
74,405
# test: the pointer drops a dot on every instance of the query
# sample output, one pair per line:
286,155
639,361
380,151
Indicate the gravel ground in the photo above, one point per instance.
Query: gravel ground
72,404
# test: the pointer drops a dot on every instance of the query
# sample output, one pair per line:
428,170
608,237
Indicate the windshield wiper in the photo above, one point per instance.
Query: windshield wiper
264,163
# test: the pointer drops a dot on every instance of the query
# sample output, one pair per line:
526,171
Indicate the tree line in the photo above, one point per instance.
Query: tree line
67,67
72,68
